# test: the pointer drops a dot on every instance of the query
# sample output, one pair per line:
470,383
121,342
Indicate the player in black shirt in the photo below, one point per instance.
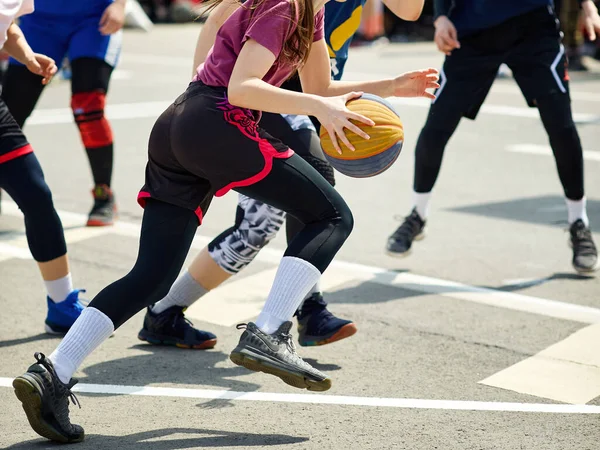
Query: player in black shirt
478,36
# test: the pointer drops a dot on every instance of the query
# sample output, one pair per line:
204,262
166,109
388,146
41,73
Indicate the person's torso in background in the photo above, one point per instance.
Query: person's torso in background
71,7
341,22
469,16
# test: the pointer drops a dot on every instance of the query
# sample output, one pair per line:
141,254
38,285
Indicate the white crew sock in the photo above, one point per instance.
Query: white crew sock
294,279
577,210
184,292
59,290
90,329
421,203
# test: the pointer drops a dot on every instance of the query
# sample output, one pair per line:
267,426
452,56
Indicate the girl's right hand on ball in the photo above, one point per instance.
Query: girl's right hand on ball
334,116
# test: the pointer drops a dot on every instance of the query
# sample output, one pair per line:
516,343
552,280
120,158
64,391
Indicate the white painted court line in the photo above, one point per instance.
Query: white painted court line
545,150
340,272
142,110
320,399
568,371
119,111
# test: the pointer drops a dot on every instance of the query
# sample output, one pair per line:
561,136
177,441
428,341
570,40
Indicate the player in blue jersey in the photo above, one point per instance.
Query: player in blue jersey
477,36
257,223
88,33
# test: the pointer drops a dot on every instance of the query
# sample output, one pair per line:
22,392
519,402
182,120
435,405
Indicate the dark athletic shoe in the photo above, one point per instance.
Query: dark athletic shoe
45,400
170,327
585,255
104,211
318,326
275,354
412,229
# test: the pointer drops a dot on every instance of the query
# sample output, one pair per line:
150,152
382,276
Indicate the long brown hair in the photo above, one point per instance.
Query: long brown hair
298,43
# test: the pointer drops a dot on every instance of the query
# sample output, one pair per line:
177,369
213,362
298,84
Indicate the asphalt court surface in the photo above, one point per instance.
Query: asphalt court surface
484,338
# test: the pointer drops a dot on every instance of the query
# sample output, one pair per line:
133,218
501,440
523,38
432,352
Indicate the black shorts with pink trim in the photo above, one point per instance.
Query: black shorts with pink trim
13,142
202,146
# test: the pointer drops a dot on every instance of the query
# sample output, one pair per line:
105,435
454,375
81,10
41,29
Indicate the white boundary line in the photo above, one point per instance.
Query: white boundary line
320,399
545,150
363,273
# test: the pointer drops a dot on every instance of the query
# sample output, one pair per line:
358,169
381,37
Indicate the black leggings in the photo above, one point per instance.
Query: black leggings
22,178
168,230
22,90
555,112
306,144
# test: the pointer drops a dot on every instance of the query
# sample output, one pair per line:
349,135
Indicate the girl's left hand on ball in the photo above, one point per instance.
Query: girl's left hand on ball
416,83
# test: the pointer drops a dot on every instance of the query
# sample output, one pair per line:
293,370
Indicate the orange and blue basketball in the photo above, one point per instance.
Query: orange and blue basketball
371,156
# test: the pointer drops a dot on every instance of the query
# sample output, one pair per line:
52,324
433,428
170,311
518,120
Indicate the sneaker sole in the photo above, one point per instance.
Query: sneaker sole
164,342
418,237
32,405
295,380
99,223
345,332
586,270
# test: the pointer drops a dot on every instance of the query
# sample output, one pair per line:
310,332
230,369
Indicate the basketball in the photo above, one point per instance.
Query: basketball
372,156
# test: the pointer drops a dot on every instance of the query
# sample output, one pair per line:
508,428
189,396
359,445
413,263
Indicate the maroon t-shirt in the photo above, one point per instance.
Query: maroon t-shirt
270,24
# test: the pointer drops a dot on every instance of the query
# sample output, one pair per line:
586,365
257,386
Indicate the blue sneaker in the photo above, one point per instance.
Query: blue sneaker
318,326
62,315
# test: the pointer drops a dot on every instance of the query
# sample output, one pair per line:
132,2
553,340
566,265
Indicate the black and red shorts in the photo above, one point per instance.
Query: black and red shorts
202,146
13,142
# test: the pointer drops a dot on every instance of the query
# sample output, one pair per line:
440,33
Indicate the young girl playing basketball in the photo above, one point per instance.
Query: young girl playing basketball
206,143
22,178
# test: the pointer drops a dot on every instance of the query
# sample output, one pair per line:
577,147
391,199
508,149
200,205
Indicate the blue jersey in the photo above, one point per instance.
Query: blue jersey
469,16
341,22
80,8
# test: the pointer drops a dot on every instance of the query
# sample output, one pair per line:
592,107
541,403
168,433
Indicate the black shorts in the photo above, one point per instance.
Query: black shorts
202,146
530,44
13,142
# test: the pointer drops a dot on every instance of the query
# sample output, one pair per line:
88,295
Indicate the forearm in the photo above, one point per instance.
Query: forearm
405,9
254,93
16,45
381,88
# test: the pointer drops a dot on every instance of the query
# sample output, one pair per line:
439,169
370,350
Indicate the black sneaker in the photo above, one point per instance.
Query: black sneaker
45,400
318,326
170,327
585,255
412,229
104,211
275,354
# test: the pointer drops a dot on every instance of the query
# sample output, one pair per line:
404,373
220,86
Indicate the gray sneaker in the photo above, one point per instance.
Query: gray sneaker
275,354
45,400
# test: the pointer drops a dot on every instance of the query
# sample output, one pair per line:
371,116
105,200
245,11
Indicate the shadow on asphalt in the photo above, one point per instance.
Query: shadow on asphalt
171,365
374,292
199,438
26,340
518,286
547,210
